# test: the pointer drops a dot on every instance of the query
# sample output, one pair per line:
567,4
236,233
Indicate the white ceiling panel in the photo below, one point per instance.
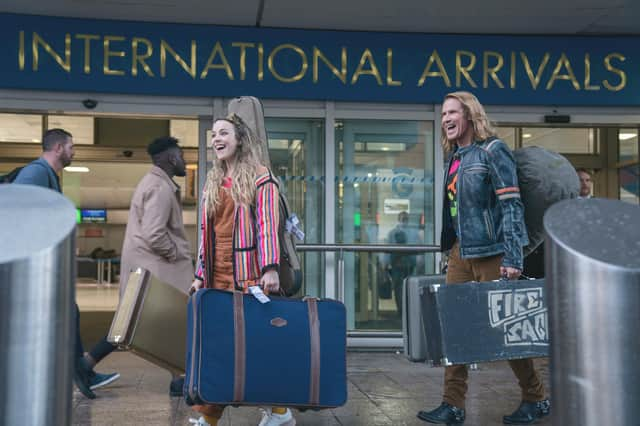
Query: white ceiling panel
429,16
237,12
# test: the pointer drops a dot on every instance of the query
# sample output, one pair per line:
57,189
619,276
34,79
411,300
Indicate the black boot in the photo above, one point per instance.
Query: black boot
81,377
444,414
528,412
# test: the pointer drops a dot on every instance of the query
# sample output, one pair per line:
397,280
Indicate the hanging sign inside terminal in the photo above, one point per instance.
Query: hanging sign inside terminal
50,53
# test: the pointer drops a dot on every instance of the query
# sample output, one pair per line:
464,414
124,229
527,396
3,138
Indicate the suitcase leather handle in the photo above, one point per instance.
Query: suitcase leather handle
240,347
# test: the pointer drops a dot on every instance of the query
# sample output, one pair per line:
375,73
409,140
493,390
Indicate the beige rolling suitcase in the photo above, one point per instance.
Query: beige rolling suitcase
151,321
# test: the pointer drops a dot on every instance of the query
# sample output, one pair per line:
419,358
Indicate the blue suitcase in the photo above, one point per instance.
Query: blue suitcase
287,352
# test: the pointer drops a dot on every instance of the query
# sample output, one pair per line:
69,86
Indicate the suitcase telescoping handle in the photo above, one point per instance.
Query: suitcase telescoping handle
240,357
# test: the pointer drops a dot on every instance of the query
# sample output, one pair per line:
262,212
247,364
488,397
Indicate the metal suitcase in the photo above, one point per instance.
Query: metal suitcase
151,321
286,352
485,321
414,340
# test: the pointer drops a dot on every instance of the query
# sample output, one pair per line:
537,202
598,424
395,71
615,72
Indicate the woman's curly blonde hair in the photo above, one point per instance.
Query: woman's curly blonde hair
247,163
474,112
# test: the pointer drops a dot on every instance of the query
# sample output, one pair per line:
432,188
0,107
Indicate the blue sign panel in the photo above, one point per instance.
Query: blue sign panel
201,60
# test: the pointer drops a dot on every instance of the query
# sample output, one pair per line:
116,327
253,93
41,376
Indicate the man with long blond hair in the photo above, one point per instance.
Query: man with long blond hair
484,232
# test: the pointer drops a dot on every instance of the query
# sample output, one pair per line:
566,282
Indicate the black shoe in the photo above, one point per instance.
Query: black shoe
81,377
176,386
444,414
98,380
528,412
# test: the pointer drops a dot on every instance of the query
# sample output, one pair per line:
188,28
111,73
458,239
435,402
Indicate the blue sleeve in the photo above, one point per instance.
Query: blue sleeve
33,174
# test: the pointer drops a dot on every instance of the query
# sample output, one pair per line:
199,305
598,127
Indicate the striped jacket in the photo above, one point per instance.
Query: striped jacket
490,211
255,236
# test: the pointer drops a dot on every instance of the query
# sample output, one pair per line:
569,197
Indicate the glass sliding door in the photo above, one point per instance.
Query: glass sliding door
296,149
384,194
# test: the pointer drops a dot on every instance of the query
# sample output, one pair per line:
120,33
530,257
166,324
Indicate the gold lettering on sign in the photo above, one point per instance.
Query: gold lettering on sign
535,80
109,53
243,58
87,49
618,71
587,74
464,70
491,71
224,65
390,80
340,73
570,76
434,59
39,41
260,62
367,56
137,58
164,48
21,50
512,78
304,65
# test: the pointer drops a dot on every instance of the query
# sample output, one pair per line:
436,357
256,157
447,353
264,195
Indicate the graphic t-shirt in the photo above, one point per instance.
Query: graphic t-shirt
452,193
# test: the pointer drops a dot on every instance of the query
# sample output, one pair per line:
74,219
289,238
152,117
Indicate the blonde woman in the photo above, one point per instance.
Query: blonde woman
239,248
483,230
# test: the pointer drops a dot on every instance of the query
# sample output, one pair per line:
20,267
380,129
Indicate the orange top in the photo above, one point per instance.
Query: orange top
223,264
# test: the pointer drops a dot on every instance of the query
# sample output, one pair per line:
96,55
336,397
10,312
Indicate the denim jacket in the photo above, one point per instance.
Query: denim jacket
490,211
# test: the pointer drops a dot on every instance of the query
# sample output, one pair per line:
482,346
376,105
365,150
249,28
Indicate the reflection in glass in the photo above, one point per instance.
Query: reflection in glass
186,131
296,149
80,127
508,135
384,188
562,140
25,128
629,170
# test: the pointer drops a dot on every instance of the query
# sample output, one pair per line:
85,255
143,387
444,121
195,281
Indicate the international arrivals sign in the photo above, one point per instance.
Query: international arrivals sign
81,55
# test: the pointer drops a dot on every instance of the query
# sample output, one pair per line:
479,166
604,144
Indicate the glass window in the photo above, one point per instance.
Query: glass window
563,140
629,170
26,128
508,135
80,127
296,150
385,194
186,131
108,186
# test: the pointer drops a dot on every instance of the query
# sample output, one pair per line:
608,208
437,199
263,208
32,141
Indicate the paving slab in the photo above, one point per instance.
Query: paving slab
384,389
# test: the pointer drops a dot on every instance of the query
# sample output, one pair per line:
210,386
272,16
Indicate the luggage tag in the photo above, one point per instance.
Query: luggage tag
292,226
257,292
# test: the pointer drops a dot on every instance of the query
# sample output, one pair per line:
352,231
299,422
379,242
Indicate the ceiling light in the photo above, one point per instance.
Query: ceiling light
625,136
385,148
76,169
526,135
35,140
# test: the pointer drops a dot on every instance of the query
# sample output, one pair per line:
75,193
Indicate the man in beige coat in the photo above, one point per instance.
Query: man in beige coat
155,237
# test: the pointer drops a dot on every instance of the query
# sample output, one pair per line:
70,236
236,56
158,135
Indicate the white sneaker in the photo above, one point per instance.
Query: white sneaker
269,418
199,422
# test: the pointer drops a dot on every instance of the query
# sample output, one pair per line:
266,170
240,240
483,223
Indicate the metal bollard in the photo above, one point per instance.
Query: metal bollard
592,266
37,292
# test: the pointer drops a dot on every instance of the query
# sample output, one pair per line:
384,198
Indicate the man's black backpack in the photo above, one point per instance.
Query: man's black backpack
545,177
11,176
